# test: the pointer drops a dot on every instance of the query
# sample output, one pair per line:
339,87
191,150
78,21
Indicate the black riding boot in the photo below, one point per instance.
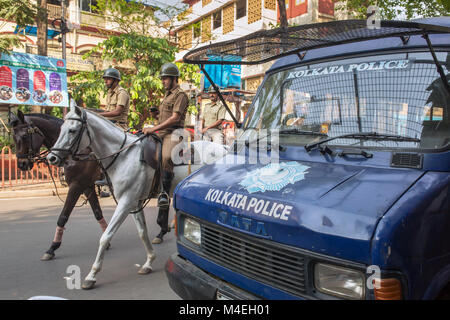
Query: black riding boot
100,184
164,207
164,198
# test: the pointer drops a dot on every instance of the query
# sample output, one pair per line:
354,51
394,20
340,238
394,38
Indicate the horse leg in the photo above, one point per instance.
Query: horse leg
121,212
141,225
72,198
162,220
96,209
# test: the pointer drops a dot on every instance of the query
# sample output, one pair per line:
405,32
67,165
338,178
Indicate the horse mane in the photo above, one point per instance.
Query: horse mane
45,117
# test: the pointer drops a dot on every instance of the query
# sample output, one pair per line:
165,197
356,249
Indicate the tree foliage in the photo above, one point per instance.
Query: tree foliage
392,9
137,53
22,12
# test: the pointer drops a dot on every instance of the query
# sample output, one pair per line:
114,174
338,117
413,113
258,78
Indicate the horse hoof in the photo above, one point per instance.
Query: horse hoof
145,270
88,284
47,256
157,240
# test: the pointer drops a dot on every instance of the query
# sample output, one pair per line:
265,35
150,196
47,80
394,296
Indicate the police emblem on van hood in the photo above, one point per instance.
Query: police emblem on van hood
274,176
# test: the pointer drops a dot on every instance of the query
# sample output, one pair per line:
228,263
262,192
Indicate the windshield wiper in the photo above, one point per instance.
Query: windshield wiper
302,132
363,136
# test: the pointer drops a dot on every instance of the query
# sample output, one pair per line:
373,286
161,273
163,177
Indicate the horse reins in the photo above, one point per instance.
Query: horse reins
77,141
31,155
41,157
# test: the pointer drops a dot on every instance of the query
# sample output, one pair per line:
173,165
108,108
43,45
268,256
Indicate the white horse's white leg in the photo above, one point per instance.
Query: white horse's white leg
119,216
139,219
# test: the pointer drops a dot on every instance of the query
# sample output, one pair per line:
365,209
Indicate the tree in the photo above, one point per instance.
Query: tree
283,17
137,52
42,26
391,9
23,13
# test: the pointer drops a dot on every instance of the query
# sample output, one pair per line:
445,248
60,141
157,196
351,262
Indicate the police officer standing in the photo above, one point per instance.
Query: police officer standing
172,114
212,118
117,107
117,99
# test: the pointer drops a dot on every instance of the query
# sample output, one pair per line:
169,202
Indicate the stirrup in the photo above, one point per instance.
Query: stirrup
163,200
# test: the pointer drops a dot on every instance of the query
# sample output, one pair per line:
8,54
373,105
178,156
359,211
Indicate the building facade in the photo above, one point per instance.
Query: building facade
209,21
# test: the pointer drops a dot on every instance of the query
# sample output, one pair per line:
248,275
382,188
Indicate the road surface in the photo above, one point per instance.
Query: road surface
27,227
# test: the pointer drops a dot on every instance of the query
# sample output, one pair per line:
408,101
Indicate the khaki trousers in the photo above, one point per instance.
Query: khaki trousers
167,147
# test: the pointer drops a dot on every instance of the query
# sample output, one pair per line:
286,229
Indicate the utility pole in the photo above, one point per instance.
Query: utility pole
63,28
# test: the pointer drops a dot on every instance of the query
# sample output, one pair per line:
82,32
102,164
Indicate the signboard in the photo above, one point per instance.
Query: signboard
224,76
33,80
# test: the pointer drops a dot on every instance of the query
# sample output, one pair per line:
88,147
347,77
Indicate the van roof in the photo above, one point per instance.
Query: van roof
370,46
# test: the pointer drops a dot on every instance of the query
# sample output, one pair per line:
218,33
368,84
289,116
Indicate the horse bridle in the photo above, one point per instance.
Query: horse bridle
32,156
77,140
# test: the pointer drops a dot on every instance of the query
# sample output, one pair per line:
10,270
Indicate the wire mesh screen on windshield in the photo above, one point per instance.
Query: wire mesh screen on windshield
397,94
266,45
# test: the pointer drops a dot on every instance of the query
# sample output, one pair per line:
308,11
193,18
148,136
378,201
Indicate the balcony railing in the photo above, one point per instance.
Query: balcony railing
93,19
54,12
87,18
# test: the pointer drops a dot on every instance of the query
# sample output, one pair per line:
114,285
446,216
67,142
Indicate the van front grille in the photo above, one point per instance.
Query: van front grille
258,259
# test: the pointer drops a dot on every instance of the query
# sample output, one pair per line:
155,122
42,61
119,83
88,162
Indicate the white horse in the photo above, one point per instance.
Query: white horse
131,178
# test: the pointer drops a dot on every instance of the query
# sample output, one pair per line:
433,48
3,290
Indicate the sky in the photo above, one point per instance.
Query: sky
166,3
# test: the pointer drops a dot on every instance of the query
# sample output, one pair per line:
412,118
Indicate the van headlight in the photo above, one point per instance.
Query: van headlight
338,281
192,231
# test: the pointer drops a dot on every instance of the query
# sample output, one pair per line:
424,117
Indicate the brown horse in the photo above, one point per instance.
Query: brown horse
30,133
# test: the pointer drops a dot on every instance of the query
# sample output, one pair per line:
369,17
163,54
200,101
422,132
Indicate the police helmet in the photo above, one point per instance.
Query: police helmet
112,73
169,70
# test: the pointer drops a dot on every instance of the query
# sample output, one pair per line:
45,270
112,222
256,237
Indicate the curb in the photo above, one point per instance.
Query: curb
32,193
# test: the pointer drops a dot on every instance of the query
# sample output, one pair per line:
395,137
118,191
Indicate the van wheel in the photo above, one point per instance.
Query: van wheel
445,293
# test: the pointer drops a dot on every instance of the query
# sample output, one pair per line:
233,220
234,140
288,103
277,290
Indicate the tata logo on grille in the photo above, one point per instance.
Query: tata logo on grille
243,223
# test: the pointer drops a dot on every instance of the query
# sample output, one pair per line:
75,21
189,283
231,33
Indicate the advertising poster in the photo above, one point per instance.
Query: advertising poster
33,80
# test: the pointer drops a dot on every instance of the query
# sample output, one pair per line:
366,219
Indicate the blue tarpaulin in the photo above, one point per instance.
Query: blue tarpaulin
224,76
32,31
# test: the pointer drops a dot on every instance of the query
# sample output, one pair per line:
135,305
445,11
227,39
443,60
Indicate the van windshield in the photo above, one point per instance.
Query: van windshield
395,94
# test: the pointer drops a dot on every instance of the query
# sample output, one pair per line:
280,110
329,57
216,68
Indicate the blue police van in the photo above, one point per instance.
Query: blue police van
349,195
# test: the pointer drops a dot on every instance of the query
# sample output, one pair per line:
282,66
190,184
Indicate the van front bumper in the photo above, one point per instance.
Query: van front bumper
192,283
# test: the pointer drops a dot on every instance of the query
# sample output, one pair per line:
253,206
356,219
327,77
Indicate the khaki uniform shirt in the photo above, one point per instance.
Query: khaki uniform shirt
118,97
175,100
212,112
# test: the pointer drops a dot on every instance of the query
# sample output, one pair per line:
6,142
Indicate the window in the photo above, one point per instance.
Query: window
299,2
241,9
217,19
358,95
86,5
197,29
54,2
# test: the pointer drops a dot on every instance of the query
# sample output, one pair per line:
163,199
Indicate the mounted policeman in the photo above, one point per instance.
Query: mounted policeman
172,114
117,99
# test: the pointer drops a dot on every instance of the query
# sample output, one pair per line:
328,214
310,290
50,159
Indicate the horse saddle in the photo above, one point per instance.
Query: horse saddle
150,155
150,149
